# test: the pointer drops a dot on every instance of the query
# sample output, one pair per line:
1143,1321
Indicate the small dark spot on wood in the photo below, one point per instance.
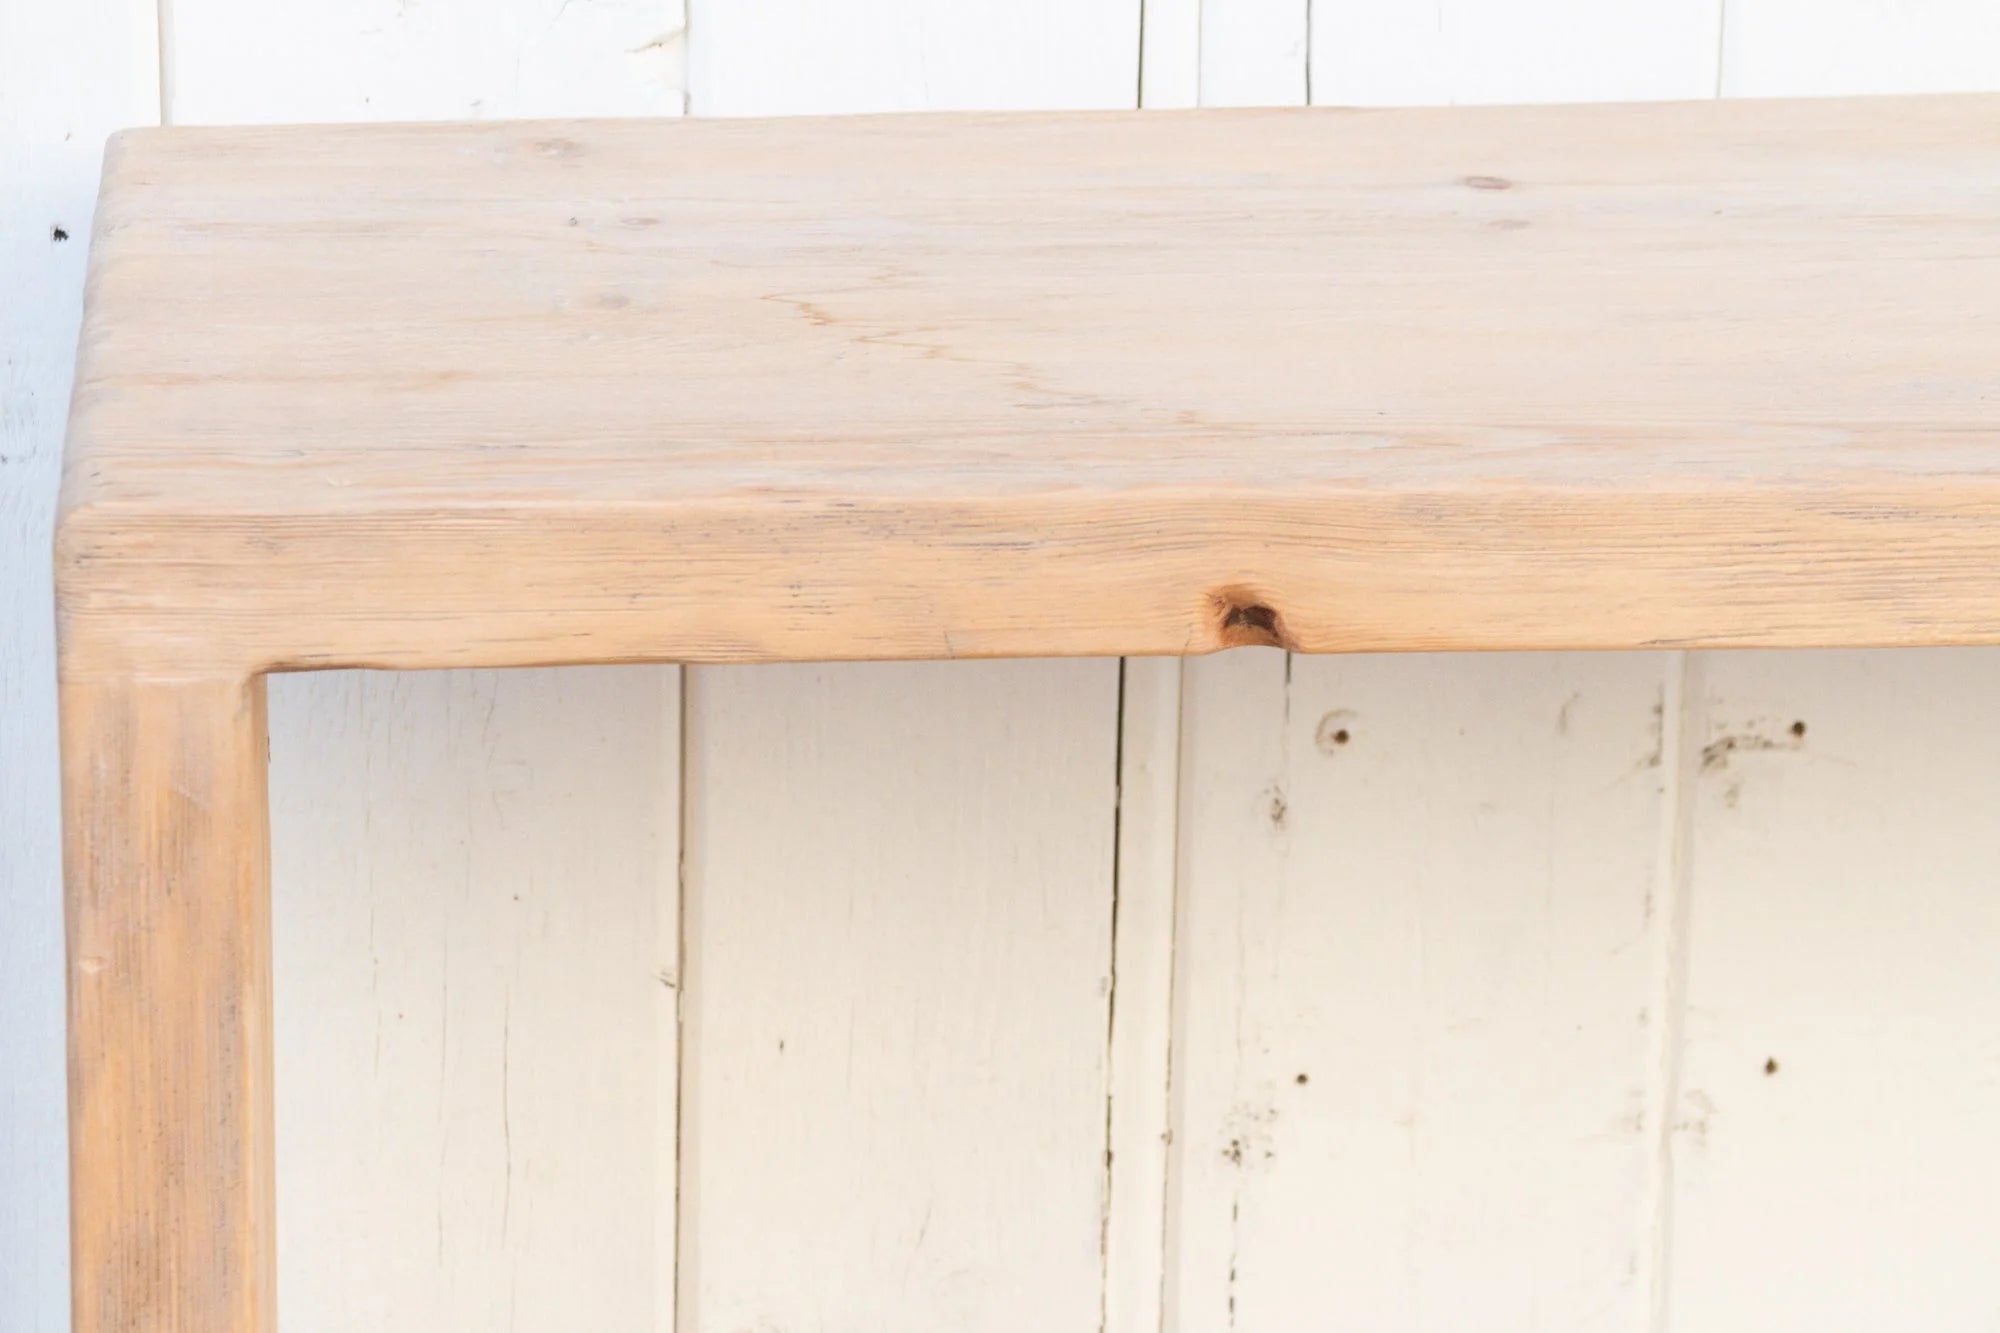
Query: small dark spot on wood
1243,619
1261,619
1488,183
58,235
1277,809
1340,736
1302,1080
572,222
1799,730
1770,1066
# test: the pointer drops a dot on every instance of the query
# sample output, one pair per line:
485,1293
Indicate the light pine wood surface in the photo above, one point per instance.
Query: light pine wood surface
1621,376
167,872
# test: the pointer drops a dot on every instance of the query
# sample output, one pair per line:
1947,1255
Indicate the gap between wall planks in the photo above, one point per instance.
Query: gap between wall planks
475,873
1137,1123
69,75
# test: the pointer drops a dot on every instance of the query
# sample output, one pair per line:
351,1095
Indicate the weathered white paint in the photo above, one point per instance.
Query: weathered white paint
1805,48
1413,973
1413,52
1253,52
794,57
466,869
243,61
898,916
69,75
479,929
1170,54
1833,1157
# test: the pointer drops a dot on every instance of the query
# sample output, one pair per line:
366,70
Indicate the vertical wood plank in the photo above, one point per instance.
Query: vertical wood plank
475,871
166,870
69,75
1414,972
1256,52
1842,1074
898,938
1398,52
669,950
792,57
1232,734
899,935
1170,53
472,874
238,61
1808,48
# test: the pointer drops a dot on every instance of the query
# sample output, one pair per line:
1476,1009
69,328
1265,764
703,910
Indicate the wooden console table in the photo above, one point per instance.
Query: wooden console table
1711,375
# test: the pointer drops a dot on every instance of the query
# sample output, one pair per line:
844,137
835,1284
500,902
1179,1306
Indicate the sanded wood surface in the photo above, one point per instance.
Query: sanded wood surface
166,859
987,385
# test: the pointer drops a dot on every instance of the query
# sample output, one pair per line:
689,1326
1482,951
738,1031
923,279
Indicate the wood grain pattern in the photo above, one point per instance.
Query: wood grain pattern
167,883
1531,377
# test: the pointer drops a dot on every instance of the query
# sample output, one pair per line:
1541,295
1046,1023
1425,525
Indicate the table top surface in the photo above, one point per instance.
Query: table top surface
1012,384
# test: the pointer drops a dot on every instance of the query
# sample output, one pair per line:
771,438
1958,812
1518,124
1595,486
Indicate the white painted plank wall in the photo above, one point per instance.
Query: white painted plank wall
1411,1079
1445,52
1833,1155
899,938
468,869
1471,926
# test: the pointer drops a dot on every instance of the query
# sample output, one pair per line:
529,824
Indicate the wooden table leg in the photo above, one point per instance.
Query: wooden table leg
166,860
